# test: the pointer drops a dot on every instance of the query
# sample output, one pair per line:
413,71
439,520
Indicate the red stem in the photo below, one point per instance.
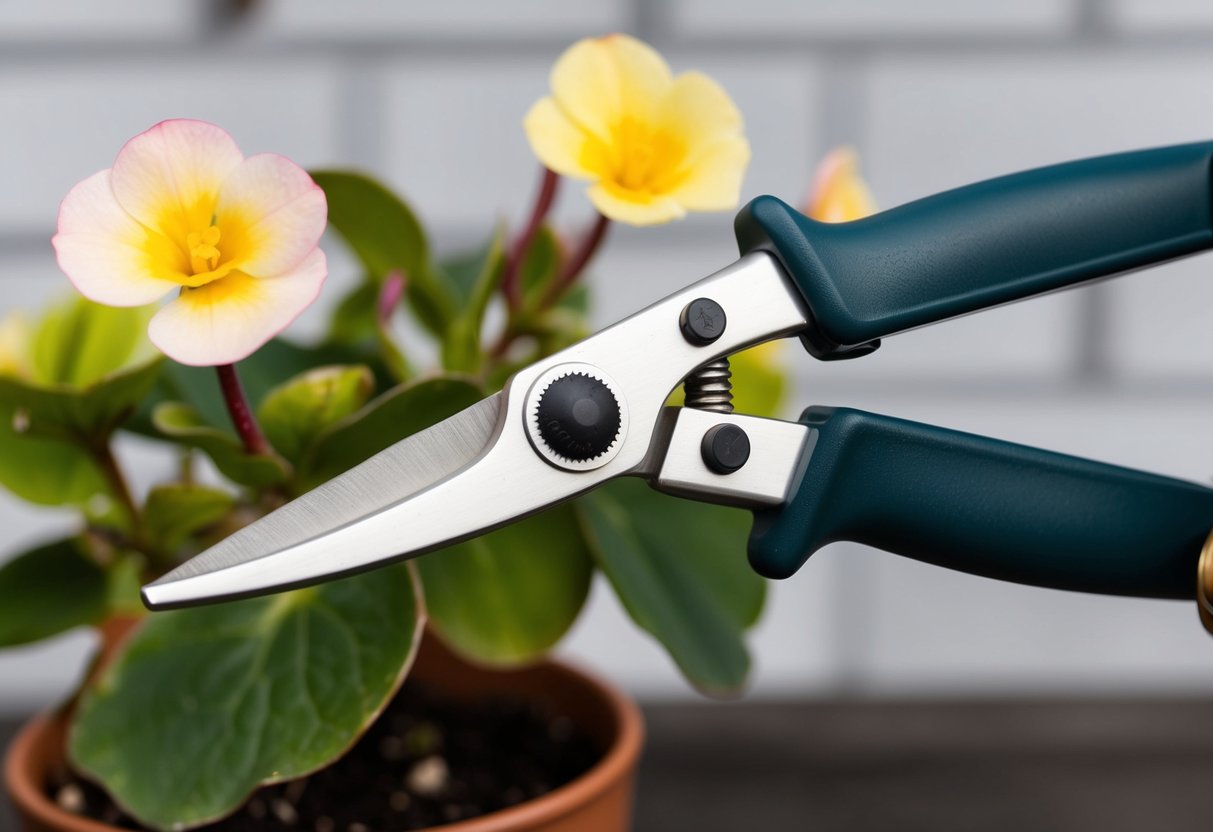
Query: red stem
238,408
576,264
510,283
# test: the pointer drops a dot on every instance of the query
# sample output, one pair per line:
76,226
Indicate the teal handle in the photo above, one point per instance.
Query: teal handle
987,507
986,244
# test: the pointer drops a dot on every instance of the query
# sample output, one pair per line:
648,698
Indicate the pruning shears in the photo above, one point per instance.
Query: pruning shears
598,409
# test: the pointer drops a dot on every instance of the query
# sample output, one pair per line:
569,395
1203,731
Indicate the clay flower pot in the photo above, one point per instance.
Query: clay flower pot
598,801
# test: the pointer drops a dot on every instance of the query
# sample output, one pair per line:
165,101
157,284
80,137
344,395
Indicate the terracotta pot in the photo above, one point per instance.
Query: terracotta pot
598,801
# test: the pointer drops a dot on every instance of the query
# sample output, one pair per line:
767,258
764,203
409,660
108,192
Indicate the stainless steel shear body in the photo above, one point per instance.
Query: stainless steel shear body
598,409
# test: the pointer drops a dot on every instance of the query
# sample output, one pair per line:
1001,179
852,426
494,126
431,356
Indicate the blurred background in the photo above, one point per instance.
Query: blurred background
932,94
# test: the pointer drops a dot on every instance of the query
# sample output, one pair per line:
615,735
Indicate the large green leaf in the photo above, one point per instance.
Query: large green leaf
510,595
48,472
177,510
297,411
48,590
183,424
87,414
386,236
79,342
679,567
203,705
384,421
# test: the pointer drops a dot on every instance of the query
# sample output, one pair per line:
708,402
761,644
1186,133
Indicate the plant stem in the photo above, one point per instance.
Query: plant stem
511,285
576,264
238,408
103,454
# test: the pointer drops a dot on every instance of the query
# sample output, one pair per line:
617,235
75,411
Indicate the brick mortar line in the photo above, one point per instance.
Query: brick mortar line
70,51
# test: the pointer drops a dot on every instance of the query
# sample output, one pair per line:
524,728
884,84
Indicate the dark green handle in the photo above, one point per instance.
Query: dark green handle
986,244
987,507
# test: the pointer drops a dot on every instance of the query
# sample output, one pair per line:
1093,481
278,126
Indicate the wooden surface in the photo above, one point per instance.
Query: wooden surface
1041,766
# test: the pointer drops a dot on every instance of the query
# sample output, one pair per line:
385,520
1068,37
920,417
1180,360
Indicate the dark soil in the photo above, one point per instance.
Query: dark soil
426,761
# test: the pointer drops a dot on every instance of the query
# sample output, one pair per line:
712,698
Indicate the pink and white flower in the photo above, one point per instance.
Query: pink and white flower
183,211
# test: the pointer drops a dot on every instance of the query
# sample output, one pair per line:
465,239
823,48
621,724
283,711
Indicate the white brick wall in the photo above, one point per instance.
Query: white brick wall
934,94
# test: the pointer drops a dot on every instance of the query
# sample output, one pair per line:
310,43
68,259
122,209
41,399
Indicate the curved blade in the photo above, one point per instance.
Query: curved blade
386,479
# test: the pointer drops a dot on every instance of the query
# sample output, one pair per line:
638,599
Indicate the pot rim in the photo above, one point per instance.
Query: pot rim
616,764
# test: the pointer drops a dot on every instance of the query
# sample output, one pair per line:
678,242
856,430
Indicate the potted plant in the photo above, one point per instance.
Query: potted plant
288,710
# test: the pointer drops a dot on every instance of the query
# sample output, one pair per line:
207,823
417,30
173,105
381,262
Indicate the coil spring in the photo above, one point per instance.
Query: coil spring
710,387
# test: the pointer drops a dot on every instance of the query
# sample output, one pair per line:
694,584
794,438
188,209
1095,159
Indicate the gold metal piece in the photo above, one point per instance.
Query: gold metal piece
1204,584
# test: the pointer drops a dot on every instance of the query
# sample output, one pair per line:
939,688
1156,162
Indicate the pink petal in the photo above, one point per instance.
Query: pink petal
169,176
277,210
103,251
227,320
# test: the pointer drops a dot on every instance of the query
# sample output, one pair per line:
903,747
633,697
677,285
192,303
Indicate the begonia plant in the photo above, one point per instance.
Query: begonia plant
191,256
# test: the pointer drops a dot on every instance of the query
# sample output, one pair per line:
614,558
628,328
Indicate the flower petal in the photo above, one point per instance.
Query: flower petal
599,81
561,145
839,193
225,321
271,215
103,251
169,176
633,207
712,182
699,110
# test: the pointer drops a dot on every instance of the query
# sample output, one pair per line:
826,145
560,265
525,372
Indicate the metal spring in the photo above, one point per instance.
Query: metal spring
710,387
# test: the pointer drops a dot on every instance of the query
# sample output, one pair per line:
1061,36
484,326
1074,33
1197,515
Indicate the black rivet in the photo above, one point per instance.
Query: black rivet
578,417
725,448
702,321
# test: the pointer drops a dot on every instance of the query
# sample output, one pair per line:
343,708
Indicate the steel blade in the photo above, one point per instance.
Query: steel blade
386,479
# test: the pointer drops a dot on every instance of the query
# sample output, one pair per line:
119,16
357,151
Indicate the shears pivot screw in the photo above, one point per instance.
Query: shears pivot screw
578,417
725,448
702,321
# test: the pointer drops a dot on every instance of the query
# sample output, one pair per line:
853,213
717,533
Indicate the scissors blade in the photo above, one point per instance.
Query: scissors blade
480,469
386,479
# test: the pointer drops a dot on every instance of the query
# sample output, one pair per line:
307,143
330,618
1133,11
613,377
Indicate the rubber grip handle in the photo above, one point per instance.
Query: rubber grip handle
987,507
985,244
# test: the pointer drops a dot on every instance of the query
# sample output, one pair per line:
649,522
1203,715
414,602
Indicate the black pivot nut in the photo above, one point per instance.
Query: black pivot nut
725,448
702,321
578,417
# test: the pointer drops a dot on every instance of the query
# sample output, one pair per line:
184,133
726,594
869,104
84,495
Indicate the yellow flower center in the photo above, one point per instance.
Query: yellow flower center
646,159
204,254
196,248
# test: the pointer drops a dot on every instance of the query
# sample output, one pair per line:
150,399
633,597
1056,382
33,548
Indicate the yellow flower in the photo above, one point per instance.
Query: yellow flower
839,193
182,211
654,146
15,337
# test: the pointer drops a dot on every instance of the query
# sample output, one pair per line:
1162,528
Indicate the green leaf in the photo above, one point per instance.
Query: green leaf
461,348
175,511
48,472
385,235
540,267
384,421
296,412
79,342
47,591
276,361
86,414
680,570
510,595
182,423
355,319
205,704
123,580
